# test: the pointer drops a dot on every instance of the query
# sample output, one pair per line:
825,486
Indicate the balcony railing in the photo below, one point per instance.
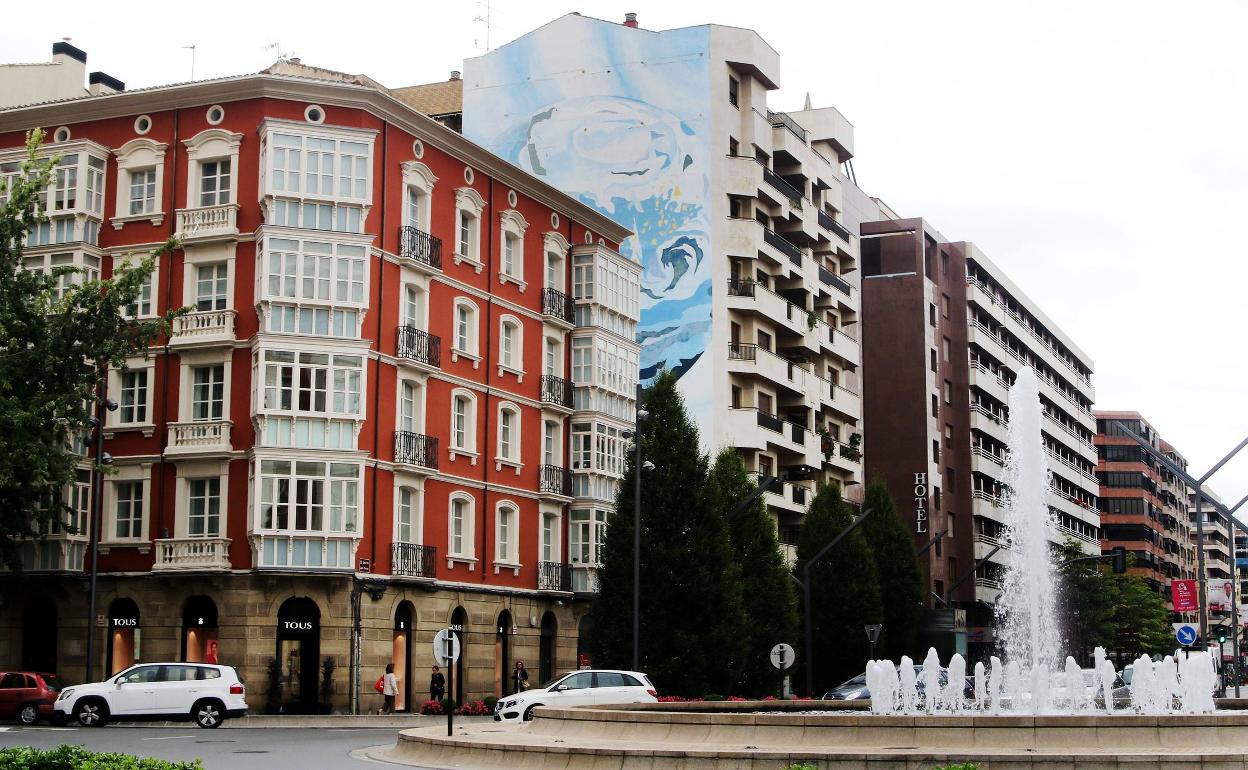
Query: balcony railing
420,246
419,345
556,390
831,225
780,119
738,287
208,221
413,560
415,449
782,244
556,304
770,422
204,326
553,576
829,278
192,553
739,351
585,578
556,480
199,436
784,188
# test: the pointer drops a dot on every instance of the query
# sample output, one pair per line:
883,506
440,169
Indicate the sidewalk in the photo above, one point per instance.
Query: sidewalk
338,721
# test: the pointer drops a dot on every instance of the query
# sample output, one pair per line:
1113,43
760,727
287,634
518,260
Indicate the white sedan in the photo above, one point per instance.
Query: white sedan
578,688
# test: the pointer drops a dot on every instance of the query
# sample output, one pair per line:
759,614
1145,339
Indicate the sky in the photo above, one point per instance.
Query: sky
1094,151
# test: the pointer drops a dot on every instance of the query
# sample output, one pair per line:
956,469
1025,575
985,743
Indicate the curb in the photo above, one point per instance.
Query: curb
342,721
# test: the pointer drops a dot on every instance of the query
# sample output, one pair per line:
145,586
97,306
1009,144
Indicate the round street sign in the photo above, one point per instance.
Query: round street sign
446,647
782,656
1186,635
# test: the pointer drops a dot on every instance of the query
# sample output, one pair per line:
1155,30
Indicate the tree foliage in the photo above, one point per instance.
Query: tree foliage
1120,613
57,333
769,596
844,591
691,607
897,569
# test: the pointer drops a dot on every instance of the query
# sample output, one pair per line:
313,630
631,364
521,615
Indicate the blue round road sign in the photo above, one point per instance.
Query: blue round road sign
1186,635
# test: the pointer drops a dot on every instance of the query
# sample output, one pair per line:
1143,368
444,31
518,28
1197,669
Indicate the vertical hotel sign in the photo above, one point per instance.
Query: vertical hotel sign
920,502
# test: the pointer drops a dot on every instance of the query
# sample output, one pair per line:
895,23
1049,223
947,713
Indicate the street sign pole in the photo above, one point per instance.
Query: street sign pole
782,657
450,684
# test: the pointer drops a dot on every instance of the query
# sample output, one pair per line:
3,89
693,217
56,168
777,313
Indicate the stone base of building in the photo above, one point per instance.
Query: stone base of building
286,632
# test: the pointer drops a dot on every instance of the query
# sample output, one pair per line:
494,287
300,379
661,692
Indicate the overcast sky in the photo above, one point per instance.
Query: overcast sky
1095,151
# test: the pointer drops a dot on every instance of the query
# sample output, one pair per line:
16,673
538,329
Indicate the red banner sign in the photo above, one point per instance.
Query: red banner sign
1183,592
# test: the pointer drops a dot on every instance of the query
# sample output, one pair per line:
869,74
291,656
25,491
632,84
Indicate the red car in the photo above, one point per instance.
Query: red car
27,696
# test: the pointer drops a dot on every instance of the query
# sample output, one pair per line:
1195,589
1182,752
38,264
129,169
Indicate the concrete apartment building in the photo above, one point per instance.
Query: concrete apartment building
1144,506
749,270
945,332
1219,547
364,431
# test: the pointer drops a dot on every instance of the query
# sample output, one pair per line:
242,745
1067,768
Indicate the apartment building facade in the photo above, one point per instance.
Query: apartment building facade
360,433
749,276
1144,505
945,333
1219,553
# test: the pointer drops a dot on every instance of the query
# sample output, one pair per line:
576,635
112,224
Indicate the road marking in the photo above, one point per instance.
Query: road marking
167,738
50,729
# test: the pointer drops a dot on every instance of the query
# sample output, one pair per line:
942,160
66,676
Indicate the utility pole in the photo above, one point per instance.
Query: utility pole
102,459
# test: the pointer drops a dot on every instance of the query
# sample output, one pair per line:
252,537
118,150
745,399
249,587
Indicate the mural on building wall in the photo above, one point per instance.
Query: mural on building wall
618,118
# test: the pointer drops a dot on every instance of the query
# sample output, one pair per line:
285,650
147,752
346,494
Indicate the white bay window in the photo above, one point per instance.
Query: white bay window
308,513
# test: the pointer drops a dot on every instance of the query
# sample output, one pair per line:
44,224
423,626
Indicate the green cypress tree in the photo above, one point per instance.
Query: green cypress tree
844,592
770,599
897,568
691,608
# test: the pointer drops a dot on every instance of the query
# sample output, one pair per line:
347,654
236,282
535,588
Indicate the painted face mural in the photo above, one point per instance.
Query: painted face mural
619,121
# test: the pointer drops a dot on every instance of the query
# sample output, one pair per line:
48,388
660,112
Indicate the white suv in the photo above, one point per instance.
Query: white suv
578,688
203,693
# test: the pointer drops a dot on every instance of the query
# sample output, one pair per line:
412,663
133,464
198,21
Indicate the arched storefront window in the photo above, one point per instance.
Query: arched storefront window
459,624
401,654
298,655
584,641
546,650
199,631
502,655
125,635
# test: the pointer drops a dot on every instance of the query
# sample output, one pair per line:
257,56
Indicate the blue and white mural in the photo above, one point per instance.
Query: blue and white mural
618,118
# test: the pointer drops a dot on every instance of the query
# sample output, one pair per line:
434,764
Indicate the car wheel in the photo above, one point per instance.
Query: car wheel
28,714
208,714
528,713
92,712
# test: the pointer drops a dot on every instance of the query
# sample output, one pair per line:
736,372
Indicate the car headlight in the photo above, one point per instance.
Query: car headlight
510,703
66,693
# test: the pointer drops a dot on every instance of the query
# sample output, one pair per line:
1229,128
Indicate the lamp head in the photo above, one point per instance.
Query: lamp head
647,466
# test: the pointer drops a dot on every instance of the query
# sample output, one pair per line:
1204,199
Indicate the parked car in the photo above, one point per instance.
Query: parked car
202,693
28,696
578,688
856,688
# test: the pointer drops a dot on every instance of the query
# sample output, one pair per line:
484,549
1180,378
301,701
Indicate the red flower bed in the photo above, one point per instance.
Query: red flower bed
431,708
476,708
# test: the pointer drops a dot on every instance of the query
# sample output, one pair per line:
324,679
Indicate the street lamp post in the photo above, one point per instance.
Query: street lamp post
102,459
638,467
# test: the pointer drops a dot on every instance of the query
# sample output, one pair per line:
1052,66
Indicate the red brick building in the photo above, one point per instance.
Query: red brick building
358,435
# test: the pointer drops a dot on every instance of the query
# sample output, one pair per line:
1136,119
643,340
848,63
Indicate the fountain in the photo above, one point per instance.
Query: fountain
1031,706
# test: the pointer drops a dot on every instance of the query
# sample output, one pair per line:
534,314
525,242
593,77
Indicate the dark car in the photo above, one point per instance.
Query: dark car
28,696
856,688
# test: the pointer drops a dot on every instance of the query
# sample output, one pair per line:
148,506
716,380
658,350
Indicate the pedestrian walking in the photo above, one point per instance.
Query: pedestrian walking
389,688
437,685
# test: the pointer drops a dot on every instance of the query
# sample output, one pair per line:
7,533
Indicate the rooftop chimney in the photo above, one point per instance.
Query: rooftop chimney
100,83
454,74
630,20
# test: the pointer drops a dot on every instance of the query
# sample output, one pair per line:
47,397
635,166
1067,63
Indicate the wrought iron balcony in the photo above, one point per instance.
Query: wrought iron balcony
420,246
738,287
556,480
413,560
556,390
558,305
782,244
553,576
415,449
419,345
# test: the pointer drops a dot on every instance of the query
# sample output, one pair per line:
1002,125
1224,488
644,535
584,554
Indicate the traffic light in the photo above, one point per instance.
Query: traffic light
1221,637
1118,559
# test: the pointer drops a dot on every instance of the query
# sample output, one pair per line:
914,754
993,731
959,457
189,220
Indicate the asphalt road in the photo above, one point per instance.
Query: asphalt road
305,748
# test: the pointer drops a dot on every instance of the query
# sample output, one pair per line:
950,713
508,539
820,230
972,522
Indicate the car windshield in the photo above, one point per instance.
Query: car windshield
54,682
857,681
550,683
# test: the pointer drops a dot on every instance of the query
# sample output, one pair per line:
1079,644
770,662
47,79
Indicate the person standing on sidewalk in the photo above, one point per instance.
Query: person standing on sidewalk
437,685
519,678
389,688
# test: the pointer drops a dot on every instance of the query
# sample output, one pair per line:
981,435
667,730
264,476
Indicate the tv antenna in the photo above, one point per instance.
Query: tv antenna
484,21
192,48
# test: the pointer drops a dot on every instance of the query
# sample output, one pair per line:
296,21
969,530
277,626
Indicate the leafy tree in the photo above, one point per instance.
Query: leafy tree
691,606
897,569
1140,620
1087,601
844,591
769,595
57,333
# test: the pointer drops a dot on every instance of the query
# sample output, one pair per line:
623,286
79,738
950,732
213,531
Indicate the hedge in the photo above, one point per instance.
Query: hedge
78,758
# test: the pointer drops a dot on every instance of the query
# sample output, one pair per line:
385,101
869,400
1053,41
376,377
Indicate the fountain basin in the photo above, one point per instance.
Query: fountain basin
748,735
